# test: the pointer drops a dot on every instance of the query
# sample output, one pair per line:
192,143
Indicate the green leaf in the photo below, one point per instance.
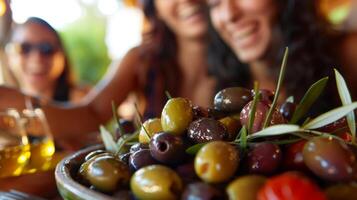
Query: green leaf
278,88
195,148
243,137
346,99
309,98
254,107
330,116
275,130
108,140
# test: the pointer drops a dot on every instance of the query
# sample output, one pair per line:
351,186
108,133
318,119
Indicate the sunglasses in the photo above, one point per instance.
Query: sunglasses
25,48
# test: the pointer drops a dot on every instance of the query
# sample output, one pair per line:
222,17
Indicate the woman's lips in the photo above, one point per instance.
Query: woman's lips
190,11
244,36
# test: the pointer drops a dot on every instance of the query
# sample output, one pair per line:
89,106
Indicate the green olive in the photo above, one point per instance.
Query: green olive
89,158
341,192
245,188
152,126
107,173
216,162
156,182
176,115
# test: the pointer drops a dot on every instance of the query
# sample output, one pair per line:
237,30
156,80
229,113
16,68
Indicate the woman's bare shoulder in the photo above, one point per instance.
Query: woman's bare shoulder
78,92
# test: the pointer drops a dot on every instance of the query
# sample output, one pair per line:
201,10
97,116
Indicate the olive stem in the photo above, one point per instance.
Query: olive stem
116,118
140,121
321,134
278,88
254,107
125,141
168,95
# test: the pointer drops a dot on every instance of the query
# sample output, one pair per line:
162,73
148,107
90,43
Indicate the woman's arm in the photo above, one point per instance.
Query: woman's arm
70,124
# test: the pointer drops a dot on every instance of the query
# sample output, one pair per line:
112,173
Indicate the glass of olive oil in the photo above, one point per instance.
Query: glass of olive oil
14,145
40,138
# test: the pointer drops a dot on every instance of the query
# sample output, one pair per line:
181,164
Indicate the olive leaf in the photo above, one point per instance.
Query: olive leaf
192,150
309,98
243,137
330,116
346,99
116,119
125,139
275,130
278,88
108,140
254,107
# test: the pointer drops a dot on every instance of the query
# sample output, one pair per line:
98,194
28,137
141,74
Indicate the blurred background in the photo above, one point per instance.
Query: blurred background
97,32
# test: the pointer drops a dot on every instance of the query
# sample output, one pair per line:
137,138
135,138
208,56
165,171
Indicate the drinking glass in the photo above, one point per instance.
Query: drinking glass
14,145
40,138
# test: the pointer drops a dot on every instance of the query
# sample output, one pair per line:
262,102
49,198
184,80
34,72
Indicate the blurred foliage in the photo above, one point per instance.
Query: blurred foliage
85,42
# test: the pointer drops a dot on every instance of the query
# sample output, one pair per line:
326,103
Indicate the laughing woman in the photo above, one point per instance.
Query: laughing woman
249,38
172,57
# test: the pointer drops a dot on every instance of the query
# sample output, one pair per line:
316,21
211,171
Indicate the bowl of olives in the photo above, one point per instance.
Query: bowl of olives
245,147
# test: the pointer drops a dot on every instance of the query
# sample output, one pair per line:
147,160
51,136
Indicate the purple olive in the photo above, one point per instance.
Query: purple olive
232,99
205,130
167,148
264,158
202,191
287,109
141,159
329,158
261,111
138,146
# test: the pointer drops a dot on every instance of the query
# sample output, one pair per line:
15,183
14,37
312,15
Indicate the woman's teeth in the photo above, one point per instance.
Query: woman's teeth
189,11
244,32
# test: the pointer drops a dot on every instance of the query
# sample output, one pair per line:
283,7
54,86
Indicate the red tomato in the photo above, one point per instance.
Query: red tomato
290,186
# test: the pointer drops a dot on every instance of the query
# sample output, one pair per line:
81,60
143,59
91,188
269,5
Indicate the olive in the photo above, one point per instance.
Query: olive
245,188
125,158
329,158
187,172
232,126
107,173
123,195
176,115
341,192
90,157
138,146
141,159
264,158
156,182
205,130
94,153
293,157
261,111
127,125
232,99
287,109
167,148
265,95
149,128
199,112
216,162
216,114
202,191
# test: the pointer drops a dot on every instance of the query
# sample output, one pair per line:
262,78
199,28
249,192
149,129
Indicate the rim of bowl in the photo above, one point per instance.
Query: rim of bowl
63,177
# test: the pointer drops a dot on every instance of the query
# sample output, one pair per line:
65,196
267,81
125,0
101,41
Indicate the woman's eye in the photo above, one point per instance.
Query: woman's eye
213,3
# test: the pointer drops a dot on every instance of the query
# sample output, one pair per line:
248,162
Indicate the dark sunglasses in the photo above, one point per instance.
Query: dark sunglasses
25,48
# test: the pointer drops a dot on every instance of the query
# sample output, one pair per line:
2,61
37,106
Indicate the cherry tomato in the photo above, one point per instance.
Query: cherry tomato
290,186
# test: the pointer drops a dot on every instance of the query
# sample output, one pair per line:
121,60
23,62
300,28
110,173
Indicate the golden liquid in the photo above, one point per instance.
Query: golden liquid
13,155
41,155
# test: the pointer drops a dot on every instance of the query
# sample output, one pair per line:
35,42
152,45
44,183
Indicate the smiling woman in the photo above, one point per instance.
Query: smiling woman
39,63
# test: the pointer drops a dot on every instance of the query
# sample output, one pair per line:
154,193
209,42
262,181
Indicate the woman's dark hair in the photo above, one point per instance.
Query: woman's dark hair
309,40
64,82
159,49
